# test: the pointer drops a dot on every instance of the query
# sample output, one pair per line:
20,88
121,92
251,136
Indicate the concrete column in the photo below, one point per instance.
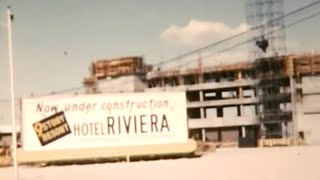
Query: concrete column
262,131
162,82
219,109
203,131
240,92
157,83
243,131
240,96
239,75
180,80
200,78
202,113
284,130
219,135
201,95
294,107
240,110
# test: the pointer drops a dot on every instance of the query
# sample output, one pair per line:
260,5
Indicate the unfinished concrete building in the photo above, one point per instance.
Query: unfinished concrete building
274,97
268,98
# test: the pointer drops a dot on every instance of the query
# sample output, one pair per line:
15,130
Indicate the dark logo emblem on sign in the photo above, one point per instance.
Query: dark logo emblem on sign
52,128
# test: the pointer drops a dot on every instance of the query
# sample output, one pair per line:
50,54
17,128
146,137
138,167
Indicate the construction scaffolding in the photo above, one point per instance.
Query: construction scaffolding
277,93
270,34
268,54
273,92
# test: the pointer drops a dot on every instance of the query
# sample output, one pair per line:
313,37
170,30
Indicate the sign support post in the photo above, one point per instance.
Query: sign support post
14,130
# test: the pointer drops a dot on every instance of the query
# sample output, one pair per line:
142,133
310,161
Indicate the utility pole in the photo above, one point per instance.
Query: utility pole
14,130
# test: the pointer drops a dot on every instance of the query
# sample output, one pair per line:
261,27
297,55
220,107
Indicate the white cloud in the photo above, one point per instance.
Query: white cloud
199,33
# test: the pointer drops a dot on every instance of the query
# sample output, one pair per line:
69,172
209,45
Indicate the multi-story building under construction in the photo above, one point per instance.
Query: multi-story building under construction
274,97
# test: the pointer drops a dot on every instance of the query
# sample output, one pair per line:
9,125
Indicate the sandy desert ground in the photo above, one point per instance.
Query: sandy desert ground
294,163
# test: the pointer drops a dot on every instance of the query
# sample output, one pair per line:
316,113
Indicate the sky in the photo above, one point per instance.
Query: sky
101,29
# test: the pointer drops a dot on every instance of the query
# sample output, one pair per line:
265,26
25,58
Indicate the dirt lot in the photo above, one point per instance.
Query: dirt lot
294,163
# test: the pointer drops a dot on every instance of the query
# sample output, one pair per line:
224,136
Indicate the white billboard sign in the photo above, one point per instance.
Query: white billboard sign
103,120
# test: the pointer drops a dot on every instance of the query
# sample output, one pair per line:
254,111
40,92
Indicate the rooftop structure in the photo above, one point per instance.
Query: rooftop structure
106,71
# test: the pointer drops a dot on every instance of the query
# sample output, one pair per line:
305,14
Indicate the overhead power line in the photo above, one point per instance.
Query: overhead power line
239,34
247,41
220,42
219,52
